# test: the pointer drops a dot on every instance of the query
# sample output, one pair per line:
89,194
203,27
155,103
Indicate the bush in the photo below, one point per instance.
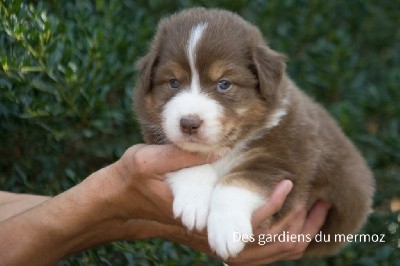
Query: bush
67,73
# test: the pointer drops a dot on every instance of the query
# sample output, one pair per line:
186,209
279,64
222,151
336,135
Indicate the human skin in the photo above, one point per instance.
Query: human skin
130,200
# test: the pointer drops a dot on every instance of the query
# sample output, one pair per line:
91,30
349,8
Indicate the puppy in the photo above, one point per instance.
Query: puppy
210,84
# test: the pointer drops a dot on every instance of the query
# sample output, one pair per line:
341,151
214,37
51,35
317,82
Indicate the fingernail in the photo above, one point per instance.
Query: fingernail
288,184
324,204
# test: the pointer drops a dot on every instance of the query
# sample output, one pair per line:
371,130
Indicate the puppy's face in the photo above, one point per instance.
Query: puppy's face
208,82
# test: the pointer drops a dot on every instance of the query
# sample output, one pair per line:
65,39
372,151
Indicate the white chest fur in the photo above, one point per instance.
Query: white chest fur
224,165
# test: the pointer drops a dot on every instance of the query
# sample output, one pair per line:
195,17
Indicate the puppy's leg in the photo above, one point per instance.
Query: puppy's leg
230,214
234,199
192,188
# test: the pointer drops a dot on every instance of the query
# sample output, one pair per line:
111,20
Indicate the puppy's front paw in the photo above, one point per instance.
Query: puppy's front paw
192,189
222,227
230,215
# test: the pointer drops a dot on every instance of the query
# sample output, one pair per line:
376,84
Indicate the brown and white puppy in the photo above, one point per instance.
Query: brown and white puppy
210,84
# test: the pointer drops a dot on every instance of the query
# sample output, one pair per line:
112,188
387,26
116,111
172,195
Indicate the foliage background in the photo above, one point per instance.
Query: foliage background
66,79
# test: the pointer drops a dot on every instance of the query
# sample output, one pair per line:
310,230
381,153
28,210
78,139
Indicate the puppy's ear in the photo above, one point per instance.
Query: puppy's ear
142,99
146,66
270,69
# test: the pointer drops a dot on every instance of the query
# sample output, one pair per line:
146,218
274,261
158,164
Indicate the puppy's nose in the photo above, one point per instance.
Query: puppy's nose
190,124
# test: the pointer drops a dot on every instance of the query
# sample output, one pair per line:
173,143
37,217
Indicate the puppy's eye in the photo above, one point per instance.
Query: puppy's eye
223,85
173,83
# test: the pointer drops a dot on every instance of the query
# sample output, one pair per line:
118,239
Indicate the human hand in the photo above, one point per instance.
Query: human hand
141,193
136,187
142,229
111,204
297,222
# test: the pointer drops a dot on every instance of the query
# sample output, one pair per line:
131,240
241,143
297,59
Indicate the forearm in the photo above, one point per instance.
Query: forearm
74,220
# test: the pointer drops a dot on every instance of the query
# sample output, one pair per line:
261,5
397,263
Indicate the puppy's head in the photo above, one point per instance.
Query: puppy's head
208,82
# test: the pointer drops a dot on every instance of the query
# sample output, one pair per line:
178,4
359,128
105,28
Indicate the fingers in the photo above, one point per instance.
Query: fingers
295,223
316,218
292,224
313,224
294,220
274,203
162,159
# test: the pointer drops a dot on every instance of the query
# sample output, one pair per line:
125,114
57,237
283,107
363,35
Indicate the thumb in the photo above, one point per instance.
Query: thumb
274,203
162,159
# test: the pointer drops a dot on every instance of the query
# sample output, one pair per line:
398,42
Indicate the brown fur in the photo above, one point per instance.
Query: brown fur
306,146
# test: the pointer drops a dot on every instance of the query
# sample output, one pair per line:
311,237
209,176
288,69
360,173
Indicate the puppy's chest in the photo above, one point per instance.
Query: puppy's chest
224,165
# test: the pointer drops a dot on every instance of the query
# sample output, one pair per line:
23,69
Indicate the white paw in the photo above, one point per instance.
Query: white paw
222,228
230,214
192,189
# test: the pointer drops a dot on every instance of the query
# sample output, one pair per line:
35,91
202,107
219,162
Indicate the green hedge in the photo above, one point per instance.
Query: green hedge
66,79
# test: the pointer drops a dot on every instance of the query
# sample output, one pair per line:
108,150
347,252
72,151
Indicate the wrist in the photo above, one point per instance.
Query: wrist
90,222
107,190
81,217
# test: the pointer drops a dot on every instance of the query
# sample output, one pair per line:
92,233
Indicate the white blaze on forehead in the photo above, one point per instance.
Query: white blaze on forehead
194,37
191,101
